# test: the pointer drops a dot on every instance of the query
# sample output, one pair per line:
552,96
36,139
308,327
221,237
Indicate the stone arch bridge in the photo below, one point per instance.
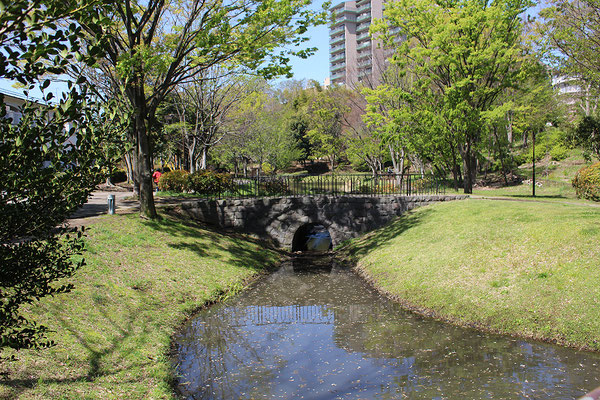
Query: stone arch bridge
278,219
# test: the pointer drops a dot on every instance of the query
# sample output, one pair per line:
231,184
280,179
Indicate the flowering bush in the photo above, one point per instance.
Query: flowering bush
587,182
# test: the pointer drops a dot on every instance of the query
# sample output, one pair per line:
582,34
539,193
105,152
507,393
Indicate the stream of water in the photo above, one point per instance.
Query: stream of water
313,331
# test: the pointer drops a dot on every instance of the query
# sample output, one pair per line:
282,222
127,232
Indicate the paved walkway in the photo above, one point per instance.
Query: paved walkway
125,202
98,203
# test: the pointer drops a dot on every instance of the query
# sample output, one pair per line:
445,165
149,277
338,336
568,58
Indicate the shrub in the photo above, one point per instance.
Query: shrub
174,181
209,182
519,159
559,152
268,168
118,176
540,152
274,186
587,182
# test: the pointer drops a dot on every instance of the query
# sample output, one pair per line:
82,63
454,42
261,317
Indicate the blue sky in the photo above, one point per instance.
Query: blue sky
317,66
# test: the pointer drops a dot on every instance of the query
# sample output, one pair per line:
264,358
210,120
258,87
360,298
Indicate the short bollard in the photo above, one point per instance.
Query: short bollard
111,204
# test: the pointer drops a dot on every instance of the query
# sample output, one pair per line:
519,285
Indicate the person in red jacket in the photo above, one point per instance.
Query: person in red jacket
156,177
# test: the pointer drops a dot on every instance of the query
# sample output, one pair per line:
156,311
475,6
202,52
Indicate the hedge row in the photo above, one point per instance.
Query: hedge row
201,182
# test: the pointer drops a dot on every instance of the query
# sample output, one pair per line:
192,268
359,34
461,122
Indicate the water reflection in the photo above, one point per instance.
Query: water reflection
322,334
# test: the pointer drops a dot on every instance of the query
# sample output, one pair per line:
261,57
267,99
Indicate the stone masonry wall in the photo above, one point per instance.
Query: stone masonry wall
277,219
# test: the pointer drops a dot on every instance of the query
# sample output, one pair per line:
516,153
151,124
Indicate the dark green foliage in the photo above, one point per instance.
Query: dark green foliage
174,181
30,268
209,182
119,175
587,135
587,182
273,186
47,173
50,160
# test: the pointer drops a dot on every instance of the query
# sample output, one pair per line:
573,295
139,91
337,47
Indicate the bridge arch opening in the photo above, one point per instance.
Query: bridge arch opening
313,237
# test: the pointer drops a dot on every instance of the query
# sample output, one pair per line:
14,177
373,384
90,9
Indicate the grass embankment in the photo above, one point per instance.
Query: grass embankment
113,331
555,192
553,181
520,268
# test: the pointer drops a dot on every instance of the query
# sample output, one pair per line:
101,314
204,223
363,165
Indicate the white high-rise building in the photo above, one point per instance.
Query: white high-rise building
353,56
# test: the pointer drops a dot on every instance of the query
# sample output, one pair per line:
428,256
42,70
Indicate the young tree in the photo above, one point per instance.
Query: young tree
259,132
326,113
50,160
464,54
296,97
156,45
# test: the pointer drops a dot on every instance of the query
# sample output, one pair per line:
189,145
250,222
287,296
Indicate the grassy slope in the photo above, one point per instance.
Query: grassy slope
554,180
529,269
113,331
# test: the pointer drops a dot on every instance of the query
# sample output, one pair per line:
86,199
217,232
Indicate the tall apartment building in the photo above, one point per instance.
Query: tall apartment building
353,57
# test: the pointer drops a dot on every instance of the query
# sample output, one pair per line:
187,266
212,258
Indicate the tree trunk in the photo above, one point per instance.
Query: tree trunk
136,174
393,157
469,166
500,155
203,157
192,156
144,166
128,167
455,177
509,126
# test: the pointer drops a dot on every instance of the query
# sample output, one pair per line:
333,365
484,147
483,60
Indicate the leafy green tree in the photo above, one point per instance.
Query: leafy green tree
520,112
407,121
327,111
570,32
156,45
464,53
259,132
587,135
298,121
50,160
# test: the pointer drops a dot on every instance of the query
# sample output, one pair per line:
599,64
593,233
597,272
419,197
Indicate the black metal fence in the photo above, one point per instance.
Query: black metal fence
332,185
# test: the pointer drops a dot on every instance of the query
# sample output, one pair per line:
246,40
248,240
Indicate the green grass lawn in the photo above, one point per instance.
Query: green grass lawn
113,331
521,268
547,191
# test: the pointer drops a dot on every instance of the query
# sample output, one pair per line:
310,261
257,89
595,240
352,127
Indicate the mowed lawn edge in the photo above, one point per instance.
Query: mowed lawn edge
114,331
524,269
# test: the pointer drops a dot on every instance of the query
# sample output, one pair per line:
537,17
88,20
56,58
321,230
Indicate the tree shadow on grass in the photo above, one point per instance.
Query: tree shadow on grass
235,251
242,250
96,353
375,239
